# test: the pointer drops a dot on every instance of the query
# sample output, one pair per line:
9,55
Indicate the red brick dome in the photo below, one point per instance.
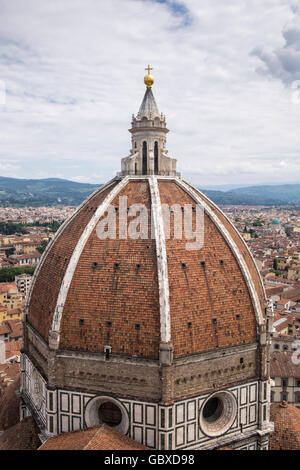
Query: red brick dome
134,294
286,435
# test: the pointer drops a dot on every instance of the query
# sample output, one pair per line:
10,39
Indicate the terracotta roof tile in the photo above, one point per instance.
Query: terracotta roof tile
117,295
7,286
286,435
120,280
12,327
201,292
274,290
97,438
282,365
13,348
52,269
9,406
292,293
21,436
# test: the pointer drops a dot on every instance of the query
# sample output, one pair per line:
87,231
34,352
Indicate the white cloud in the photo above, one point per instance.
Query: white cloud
283,62
74,70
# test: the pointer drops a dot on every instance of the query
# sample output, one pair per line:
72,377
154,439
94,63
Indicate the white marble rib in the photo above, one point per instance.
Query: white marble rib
64,289
162,264
234,248
243,241
56,236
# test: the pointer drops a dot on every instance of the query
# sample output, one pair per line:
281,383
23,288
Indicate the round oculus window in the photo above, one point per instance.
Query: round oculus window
213,410
107,410
109,414
218,414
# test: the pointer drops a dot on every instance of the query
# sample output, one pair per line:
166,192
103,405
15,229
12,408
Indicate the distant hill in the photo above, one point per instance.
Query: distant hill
43,192
257,195
287,193
55,191
224,187
232,198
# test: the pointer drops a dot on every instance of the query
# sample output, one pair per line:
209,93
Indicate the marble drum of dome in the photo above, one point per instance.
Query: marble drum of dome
36,389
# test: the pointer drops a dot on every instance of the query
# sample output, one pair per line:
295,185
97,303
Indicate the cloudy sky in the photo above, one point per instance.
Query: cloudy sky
226,76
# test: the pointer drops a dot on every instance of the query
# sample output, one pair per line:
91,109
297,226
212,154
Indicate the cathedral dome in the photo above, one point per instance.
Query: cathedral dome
134,294
147,313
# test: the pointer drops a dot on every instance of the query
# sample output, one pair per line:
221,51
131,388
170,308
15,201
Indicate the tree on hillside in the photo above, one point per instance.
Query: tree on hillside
8,274
42,247
10,228
10,251
288,231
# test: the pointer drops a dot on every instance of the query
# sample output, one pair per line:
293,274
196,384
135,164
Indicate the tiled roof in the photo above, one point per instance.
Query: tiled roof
13,348
16,328
283,366
97,438
286,435
44,295
292,293
288,339
7,286
282,302
4,329
281,279
274,290
216,289
21,436
36,254
8,374
12,327
277,316
281,324
9,406
115,282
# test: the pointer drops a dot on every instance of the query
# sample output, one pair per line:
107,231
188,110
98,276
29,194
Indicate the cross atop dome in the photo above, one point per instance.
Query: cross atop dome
148,79
148,107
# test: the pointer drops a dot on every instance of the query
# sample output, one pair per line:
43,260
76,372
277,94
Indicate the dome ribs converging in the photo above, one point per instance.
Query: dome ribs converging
134,294
203,308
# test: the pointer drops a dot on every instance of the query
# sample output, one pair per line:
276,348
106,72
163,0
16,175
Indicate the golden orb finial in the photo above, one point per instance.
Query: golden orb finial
148,79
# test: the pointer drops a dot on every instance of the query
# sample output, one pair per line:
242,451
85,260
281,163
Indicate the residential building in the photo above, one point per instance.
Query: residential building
23,282
285,372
